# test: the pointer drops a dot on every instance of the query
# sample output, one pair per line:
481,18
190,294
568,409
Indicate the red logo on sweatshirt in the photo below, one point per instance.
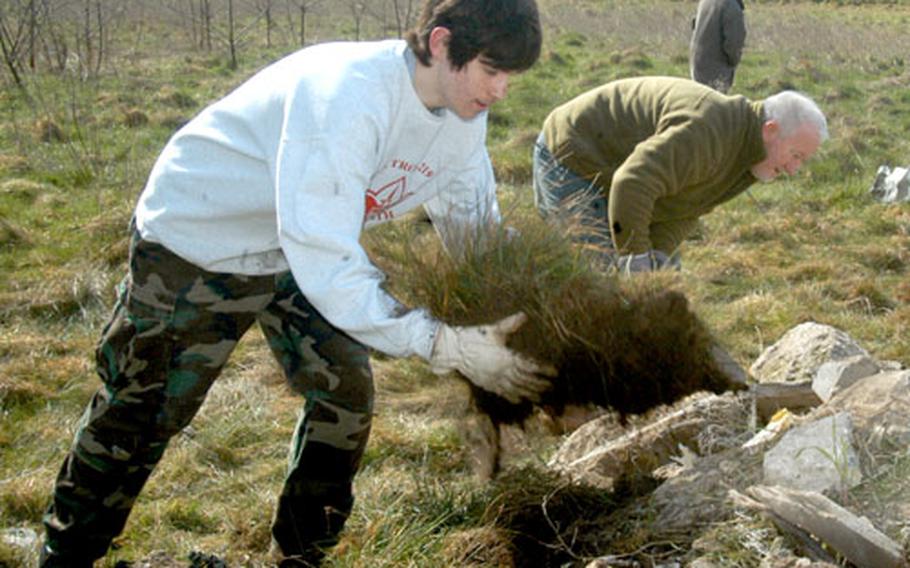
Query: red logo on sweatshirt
380,202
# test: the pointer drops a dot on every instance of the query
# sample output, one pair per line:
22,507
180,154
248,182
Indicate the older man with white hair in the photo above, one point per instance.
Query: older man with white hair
640,160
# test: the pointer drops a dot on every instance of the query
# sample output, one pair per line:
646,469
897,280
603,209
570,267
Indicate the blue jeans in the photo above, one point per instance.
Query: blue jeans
563,195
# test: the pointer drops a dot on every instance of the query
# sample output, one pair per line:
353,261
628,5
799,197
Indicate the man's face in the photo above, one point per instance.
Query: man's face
472,89
785,155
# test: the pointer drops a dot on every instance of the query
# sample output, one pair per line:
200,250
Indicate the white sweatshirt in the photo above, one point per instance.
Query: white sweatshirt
286,170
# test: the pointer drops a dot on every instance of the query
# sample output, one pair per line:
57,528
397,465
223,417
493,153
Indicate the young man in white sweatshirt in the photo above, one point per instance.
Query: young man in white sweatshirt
253,213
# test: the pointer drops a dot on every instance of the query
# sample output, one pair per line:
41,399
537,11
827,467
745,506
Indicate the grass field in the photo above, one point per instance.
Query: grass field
74,153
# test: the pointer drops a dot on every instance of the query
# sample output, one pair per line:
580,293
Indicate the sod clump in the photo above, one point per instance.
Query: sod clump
624,344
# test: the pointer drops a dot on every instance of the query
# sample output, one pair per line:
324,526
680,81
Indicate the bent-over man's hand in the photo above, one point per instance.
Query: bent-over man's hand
481,355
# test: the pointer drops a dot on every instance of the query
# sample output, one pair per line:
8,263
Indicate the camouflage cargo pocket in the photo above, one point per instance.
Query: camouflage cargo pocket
136,345
130,345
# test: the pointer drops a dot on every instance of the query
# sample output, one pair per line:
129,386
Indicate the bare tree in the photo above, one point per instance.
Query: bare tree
26,26
93,36
198,15
233,27
303,9
87,45
358,10
32,33
403,12
231,37
55,45
93,41
205,17
102,40
13,30
265,9
192,15
195,22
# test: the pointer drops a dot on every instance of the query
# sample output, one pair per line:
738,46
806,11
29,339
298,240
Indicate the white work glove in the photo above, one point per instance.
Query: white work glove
480,354
647,262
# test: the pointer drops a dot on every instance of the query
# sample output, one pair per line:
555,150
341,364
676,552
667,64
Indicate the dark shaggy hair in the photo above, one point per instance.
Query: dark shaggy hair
503,33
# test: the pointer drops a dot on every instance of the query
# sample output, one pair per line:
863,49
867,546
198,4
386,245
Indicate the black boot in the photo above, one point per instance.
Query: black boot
51,559
309,557
309,561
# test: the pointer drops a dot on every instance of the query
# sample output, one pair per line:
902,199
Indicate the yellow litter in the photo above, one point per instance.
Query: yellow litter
780,422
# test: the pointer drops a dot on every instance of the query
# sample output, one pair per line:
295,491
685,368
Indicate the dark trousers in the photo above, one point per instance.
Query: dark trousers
171,332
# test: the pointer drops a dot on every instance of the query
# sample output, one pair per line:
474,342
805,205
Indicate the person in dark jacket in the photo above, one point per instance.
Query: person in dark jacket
640,160
718,35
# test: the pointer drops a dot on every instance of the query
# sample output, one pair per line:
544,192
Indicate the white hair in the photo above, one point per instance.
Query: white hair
792,110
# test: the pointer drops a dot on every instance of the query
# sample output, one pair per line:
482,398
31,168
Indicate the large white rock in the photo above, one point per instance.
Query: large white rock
801,351
834,376
818,456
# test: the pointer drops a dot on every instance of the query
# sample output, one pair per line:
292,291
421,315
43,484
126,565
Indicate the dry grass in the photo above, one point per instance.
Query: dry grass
11,164
12,234
26,189
62,292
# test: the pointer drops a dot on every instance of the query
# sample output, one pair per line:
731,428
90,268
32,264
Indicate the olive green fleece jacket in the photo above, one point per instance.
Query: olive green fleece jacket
664,150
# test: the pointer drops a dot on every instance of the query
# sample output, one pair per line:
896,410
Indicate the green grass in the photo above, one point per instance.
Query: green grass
815,247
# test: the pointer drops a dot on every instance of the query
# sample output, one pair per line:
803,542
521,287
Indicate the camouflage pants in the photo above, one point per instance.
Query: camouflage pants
171,333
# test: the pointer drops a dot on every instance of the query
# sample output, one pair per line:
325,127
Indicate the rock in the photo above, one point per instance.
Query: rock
612,562
783,560
891,186
21,547
807,513
585,441
818,456
773,397
622,561
594,455
801,351
157,559
698,496
20,537
880,409
834,376
728,365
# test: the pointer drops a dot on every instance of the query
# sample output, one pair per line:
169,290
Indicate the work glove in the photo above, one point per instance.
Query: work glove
647,262
480,354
